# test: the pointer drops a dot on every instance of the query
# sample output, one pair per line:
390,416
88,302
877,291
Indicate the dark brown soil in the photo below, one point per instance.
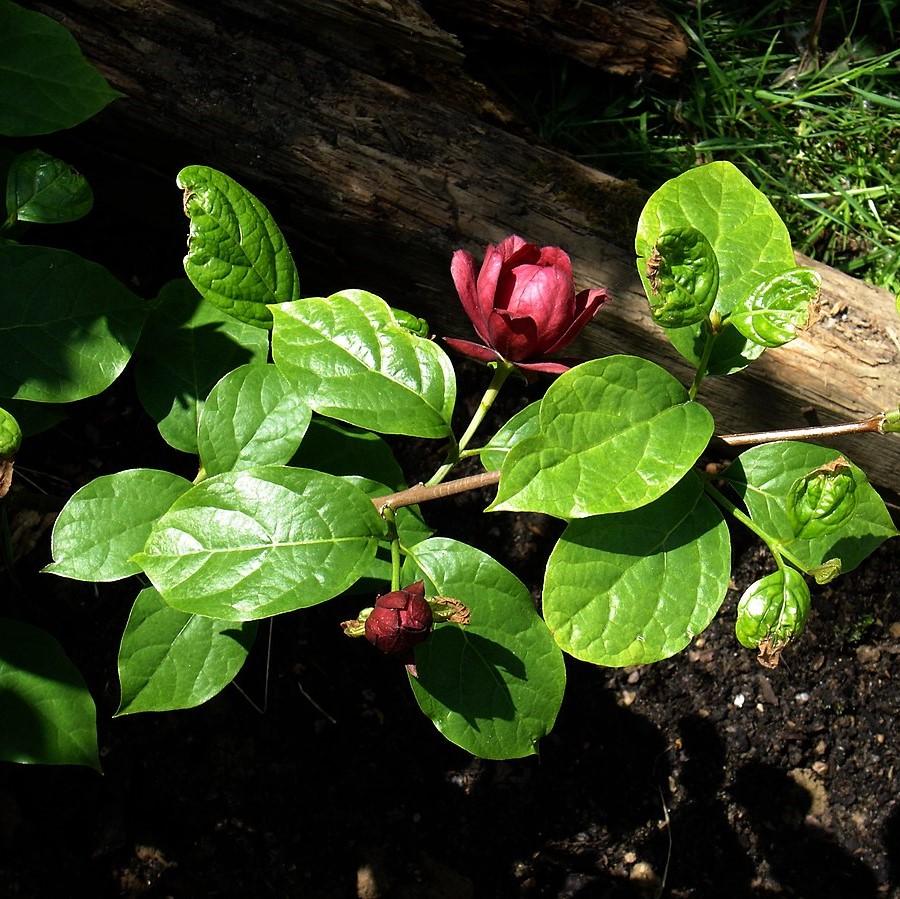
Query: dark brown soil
702,776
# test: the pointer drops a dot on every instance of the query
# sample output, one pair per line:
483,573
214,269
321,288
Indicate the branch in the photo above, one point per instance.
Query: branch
422,494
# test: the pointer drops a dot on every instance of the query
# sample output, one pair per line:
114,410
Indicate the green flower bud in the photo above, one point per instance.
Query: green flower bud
827,571
772,612
412,323
821,501
10,435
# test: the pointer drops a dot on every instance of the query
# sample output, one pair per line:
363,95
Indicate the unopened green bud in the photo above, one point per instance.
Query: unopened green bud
890,422
10,435
772,612
821,501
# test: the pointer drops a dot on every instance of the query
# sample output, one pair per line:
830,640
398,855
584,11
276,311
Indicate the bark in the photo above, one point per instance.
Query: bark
622,38
378,175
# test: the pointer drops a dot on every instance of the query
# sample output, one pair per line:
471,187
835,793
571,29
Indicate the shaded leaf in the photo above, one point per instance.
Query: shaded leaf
187,346
495,686
524,424
42,188
68,327
47,712
45,82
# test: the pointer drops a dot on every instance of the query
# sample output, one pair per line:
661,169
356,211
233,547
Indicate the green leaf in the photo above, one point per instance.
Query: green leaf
636,587
173,660
47,712
778,308
615,434
187,345
252,417
494,687
108,520
680,278
763,477
352,361
250,544
750,242
10,435
524,424
773,609
45,82
41,188
35,418
68,327
237,257
345,450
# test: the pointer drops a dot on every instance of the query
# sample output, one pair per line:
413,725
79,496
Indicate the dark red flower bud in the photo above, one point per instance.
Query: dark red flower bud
523,304
400,620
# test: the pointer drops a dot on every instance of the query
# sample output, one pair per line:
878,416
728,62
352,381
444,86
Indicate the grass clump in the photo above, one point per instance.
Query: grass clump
805,100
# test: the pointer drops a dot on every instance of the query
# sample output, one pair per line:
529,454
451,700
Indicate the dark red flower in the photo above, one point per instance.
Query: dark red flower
523,304
400,620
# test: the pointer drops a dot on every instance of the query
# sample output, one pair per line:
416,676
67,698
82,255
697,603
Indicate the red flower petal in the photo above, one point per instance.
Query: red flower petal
514,337
462,268
589,302
473,350
545,368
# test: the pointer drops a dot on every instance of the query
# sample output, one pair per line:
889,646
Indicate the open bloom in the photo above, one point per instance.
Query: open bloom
400,620
522,304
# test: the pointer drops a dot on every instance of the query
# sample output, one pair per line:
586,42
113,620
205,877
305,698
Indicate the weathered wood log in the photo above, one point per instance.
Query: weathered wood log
378,181
622,38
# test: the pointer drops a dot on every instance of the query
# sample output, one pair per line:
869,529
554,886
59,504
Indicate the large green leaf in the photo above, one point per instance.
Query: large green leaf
45,83
174,660
494,687
47,712
187,345
763,477
108,520
750,242
345,450
67,327
636,587
42,188
524,424
237,256
615,434
352,361
251,417
250,544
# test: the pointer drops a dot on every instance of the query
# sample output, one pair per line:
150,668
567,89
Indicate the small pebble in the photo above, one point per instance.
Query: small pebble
894,629
739,700
634,676
629,858
821,747
820,767
868,655
643,873
801,698
628,697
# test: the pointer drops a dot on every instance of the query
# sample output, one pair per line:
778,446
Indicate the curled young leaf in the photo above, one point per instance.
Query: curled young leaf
826,572
681,278
772,612
412,323
777,308
237,256
822,500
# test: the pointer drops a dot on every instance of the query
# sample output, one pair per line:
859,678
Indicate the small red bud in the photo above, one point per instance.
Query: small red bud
400,620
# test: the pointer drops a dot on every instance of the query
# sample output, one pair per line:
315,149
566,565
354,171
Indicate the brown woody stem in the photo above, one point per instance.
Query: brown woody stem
813,433
422,493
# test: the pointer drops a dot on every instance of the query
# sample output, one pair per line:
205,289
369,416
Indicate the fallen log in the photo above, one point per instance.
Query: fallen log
377,178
